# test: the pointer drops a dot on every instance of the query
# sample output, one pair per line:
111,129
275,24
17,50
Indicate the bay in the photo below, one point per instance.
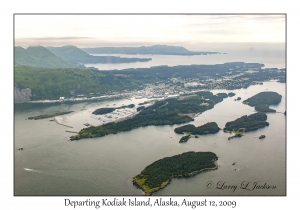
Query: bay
270,58
105,166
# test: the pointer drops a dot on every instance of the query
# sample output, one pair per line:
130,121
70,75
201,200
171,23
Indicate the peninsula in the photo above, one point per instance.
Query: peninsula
75,55
43,116
166,112
160,173
155,49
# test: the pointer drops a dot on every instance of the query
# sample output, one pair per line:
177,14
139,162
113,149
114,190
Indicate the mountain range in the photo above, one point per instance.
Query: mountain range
74,54
38,56
155,49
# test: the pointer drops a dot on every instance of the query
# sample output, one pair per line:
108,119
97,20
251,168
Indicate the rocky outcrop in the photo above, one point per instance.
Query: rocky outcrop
262,137
22,95
235,136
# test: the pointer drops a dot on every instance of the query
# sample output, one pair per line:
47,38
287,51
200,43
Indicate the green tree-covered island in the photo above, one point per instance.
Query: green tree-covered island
261,101
109,110
231,94
247,123
210,127
43,116
167,112
160,173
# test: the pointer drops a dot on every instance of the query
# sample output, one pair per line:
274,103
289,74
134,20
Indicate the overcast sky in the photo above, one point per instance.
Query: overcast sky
137,30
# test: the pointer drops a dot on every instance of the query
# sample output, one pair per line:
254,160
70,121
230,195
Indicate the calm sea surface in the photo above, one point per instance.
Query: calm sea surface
105,166
271,59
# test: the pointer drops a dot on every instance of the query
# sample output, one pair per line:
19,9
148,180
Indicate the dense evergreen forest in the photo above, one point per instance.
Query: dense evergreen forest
269,98
158,174
109,110
210,127
51,83
223,95
167,112
231,94
140,108
103,111
248,123
262,100
264,108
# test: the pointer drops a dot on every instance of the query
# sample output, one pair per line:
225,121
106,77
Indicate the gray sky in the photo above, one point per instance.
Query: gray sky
137,30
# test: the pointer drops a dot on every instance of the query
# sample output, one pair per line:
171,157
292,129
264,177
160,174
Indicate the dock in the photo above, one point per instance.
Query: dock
72,132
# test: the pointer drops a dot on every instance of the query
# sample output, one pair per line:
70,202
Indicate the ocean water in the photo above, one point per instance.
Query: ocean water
50,164
271,55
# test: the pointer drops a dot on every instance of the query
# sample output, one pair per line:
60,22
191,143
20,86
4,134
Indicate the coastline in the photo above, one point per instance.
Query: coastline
193,173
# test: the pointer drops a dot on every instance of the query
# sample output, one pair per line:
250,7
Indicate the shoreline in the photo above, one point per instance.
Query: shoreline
193,173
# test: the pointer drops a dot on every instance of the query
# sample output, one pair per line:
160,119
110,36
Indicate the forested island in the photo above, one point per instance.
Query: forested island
231,94
210,127
166,112
160,173
43,116
109,110
262,100
223,95
247,123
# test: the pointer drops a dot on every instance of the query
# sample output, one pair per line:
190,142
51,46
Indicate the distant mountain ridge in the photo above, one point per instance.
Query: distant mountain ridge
74,54
155,49
38,56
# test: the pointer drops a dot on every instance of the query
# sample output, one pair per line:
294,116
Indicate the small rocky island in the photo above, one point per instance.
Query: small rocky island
262,137
263,100
160,173
43,116
185,138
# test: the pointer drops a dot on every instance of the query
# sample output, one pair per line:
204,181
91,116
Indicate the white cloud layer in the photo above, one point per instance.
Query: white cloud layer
89,30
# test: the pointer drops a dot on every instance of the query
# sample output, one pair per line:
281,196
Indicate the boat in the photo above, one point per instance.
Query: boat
87,124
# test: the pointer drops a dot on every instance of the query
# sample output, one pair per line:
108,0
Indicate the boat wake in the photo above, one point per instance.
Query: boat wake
33,170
